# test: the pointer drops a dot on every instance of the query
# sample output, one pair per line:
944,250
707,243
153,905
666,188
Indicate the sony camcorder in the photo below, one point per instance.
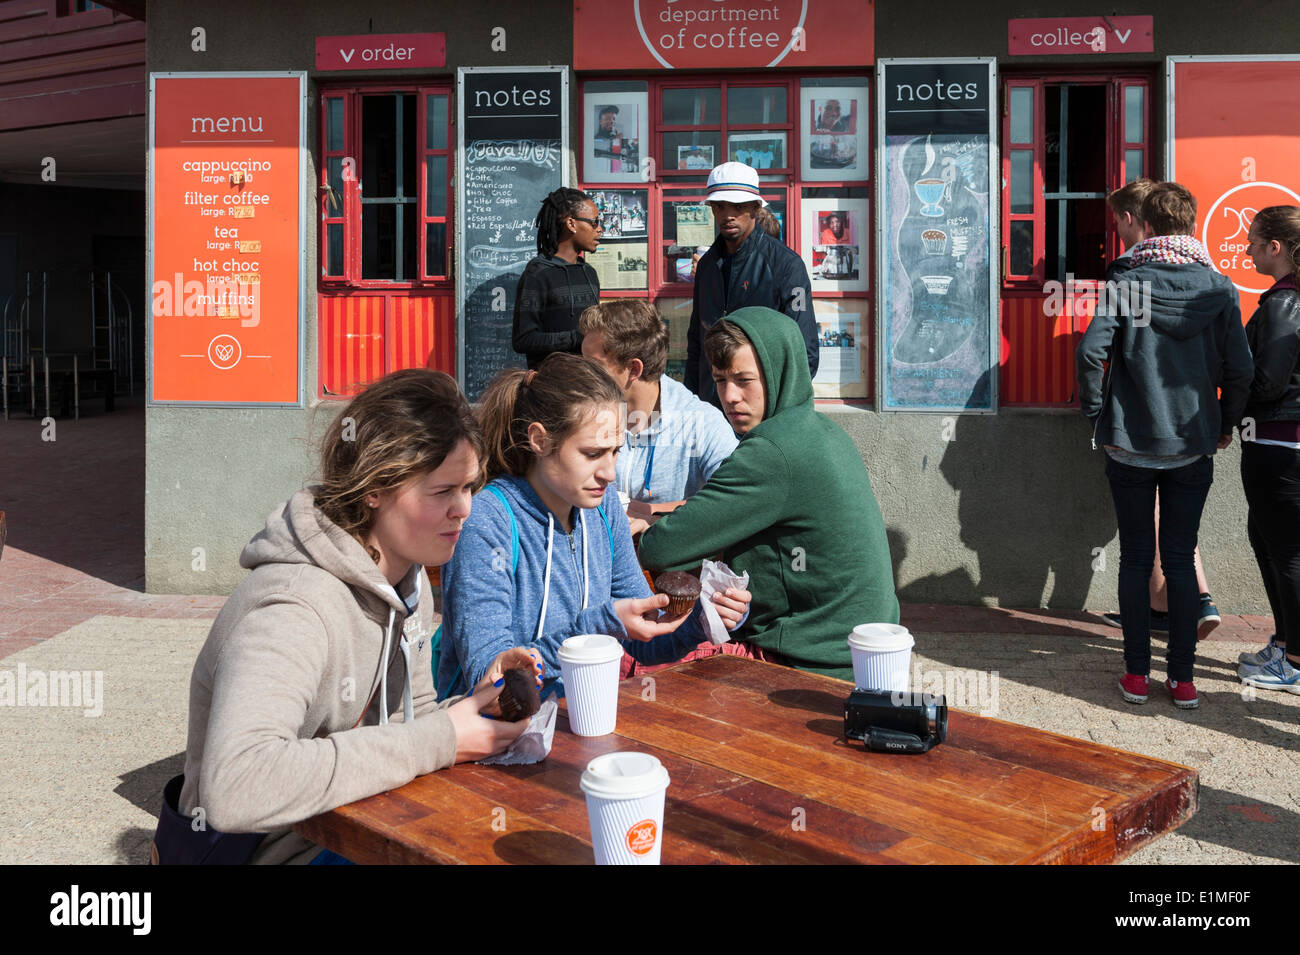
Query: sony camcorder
896,722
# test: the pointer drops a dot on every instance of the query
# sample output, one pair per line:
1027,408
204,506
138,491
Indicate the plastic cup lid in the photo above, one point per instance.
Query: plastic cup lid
590,648
881,637
624,776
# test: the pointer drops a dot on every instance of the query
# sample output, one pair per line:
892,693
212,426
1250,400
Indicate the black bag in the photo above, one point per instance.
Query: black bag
177,842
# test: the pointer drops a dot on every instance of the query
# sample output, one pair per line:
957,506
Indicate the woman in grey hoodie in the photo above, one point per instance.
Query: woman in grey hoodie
314,688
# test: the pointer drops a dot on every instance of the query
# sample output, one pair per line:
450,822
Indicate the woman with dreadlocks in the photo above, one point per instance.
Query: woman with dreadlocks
557,285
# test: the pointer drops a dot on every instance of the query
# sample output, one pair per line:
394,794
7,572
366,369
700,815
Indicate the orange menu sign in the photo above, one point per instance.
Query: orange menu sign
226,264
1236,135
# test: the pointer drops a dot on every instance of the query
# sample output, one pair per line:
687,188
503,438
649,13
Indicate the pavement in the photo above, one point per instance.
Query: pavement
82,780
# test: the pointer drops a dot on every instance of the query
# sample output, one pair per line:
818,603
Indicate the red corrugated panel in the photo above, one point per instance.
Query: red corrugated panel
351,342
423,333
1037,352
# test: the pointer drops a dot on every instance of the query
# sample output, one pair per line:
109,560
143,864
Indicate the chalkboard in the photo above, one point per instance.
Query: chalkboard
936,295
513,141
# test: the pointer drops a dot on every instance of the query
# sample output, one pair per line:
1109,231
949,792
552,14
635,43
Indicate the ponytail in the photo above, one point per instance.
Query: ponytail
557,207
558,394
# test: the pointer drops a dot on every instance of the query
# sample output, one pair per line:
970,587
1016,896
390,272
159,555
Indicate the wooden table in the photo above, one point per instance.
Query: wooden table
761,773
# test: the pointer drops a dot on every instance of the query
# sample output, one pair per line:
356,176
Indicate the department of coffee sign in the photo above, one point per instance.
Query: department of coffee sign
721,34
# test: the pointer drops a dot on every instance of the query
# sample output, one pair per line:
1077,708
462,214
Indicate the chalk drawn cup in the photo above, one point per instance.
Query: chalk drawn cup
929,191
937,284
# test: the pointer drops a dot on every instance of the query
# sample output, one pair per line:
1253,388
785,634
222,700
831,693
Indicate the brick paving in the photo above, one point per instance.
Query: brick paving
75,508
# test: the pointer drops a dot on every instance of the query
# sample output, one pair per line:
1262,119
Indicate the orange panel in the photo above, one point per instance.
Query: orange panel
351,342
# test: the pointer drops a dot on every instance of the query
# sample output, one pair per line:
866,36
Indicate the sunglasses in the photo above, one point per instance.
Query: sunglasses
594,223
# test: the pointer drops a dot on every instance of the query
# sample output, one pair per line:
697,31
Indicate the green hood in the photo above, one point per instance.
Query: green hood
781,353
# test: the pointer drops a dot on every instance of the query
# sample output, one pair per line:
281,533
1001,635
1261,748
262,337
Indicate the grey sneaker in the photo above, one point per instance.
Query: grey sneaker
1278,674
1258,658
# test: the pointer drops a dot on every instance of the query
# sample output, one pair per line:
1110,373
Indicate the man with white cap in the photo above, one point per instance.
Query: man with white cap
743,268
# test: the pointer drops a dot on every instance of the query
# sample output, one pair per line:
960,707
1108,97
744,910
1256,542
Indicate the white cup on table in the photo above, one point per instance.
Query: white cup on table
625,807
882,655
589,666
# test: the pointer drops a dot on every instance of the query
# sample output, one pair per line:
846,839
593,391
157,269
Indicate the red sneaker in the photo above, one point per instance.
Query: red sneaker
1135,688
1184,694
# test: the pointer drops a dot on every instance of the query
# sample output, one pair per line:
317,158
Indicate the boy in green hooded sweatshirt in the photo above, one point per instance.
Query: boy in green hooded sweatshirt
793,505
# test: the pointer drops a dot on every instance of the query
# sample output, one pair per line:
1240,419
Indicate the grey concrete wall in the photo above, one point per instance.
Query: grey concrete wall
1008,509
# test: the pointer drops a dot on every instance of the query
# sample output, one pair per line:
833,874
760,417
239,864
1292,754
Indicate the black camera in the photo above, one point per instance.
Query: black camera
896,722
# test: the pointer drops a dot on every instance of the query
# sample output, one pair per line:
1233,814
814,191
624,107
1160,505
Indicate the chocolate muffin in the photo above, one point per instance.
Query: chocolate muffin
519,698
682,590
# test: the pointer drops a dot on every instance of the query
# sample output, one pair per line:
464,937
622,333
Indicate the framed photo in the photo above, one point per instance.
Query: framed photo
843,348
622,212
835,235
834,133
759,150
616,128
695,157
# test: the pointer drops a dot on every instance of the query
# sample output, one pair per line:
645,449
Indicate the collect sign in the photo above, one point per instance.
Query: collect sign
225,235
1236,135
1080,35
513,136
381,51
938,313
721,34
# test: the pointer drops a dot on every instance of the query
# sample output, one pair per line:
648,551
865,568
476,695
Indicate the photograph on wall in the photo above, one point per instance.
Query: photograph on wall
621,265
615,127
695,157
835,250
759,150
843,348
622,212
694,224
834,140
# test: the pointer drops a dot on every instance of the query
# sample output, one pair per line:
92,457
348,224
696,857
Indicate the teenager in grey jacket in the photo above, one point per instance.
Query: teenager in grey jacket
1178,379
315,686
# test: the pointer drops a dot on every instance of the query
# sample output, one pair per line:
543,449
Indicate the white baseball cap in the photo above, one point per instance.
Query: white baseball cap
734,182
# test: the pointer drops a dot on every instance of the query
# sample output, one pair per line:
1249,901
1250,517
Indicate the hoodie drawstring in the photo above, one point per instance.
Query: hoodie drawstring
546,583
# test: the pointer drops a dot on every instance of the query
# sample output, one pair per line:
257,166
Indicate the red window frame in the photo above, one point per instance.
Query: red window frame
346,209
1116,147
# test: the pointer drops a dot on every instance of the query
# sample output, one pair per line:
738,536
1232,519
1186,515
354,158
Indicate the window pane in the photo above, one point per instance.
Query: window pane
436,188
1134,124
762,150
699,151
1132,165
335,166
410,150
1022,248
335,121
435,129
334,260
1022,114
379,146
435,249
1022,181
692,107
388,241
748,105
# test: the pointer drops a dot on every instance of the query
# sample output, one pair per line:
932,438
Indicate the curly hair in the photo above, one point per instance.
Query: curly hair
558,206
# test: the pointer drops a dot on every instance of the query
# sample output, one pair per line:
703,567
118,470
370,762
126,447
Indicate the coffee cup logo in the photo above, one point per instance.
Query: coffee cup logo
641,836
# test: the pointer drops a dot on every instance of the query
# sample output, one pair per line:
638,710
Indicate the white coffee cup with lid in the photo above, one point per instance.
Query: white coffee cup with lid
589,666
625,807
882,654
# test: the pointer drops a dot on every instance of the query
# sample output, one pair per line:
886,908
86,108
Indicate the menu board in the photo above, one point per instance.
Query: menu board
513,135
226,237
937,297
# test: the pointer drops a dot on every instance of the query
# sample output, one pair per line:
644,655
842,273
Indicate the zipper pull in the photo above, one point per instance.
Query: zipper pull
1094,442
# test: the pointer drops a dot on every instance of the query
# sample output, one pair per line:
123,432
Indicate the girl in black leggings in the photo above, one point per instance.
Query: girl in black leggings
1270,458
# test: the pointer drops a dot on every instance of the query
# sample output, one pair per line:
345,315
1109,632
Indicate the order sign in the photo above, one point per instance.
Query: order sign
225,274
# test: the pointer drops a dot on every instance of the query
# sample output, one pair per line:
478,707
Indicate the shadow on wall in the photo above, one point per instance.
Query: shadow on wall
1036,510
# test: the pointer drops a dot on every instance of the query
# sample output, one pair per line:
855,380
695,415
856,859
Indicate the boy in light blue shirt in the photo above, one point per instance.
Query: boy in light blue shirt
674,441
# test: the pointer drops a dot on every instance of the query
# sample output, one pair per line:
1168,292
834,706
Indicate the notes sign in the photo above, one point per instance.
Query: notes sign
513,135
937,292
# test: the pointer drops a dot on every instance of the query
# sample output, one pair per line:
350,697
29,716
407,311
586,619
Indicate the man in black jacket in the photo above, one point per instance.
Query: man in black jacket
744,267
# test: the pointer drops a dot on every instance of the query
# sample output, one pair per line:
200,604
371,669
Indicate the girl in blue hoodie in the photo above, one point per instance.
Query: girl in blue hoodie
546,553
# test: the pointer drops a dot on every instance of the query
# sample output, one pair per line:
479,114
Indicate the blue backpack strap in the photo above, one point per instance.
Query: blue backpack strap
609,532
514,565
